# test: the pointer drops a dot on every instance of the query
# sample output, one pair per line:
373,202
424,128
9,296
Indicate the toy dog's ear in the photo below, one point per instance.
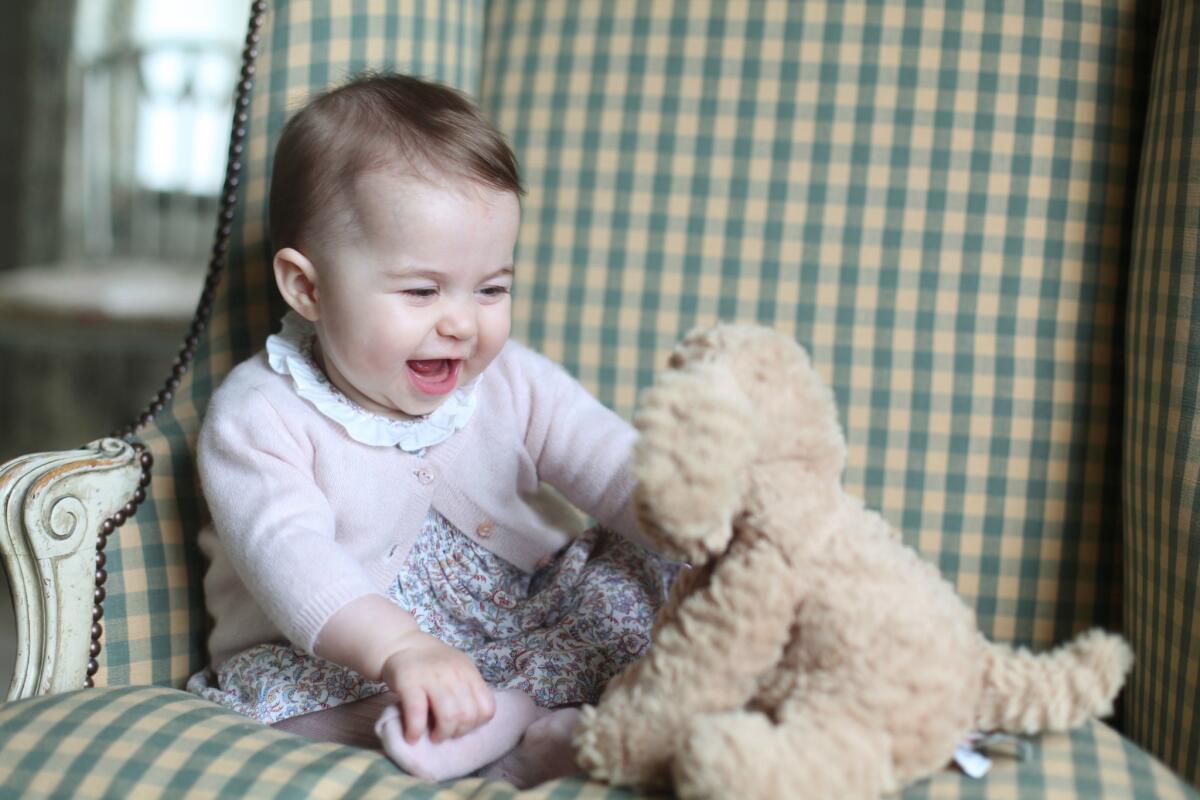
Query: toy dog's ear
804,411
698,437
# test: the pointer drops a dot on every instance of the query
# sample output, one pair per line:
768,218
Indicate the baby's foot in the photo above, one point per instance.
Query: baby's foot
453,758
544,753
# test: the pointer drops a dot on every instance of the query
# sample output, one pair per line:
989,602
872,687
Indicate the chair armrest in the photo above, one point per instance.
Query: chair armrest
52,507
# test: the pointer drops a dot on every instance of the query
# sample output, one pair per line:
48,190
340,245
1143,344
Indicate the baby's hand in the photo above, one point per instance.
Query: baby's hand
434,679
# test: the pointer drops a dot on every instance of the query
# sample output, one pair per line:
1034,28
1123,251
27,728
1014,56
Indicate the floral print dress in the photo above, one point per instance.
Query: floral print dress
558,634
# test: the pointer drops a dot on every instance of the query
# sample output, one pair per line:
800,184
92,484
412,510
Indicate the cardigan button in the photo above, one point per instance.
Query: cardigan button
486,529
424,476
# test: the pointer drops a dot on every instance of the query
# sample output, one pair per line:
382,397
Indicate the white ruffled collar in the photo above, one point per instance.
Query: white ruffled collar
289,352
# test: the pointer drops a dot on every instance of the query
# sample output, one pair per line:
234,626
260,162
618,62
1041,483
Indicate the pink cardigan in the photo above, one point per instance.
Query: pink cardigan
306,519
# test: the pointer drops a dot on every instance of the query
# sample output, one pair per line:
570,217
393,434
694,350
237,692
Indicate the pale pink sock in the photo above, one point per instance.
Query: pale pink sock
545,752
453,758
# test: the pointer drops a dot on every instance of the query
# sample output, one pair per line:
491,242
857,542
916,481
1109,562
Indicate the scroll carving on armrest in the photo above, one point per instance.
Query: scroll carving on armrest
52,506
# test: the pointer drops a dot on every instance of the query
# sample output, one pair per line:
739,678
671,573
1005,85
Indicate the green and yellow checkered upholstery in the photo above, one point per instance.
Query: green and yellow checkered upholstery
936,198
1162,483
930,200
124,742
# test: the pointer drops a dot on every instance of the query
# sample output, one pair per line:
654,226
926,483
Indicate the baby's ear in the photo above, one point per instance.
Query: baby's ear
699,433
804,412
296,278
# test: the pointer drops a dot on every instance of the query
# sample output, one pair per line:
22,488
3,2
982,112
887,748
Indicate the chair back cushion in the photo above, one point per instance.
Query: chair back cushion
934,200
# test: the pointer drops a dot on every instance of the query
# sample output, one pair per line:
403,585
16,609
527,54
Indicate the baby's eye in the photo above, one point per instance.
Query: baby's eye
426,292
494,291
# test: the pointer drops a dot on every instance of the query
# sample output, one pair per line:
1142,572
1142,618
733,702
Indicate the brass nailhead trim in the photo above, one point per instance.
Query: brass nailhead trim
107,528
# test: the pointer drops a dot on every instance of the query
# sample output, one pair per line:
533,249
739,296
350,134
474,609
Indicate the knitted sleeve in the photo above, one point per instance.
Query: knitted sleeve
272,518
579,446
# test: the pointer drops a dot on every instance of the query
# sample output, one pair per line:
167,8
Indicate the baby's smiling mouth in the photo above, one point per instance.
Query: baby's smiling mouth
435,376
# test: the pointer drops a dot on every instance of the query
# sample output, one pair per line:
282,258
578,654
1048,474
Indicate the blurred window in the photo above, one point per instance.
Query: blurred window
154,82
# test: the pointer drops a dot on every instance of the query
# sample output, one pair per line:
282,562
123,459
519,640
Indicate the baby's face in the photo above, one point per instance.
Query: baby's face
414,300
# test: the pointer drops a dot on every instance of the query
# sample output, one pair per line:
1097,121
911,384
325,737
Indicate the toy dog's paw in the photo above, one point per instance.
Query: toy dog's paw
621,749
594,750
719,753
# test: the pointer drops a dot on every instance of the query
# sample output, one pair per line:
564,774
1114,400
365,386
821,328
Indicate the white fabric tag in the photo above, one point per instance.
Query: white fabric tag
972,762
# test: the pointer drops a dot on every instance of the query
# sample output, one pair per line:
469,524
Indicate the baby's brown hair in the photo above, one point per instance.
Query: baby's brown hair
375,120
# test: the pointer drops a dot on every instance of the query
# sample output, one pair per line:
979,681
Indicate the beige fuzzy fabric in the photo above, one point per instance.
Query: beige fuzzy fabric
808,652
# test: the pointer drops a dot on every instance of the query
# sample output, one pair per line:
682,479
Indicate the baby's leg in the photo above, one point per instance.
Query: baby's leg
453,758
545,752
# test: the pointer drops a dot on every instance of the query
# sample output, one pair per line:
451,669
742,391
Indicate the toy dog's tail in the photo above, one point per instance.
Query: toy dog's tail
1028,693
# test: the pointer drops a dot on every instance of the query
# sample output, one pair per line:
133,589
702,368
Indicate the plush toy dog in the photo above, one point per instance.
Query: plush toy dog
808,652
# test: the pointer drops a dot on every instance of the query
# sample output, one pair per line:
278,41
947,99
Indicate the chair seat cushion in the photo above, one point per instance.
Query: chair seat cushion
148,740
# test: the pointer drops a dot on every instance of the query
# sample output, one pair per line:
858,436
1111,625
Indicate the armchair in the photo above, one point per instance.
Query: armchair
981,221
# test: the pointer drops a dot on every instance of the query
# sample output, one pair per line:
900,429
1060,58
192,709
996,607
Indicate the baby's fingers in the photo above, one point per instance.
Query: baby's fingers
415,707
461,708
479,704
447,714
472,708
485,701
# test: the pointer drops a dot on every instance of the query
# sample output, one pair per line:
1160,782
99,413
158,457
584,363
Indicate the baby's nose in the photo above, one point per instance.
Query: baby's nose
458,321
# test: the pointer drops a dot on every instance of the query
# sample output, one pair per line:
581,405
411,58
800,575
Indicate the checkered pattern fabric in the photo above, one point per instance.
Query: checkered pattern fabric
151,741
1162,484
933,197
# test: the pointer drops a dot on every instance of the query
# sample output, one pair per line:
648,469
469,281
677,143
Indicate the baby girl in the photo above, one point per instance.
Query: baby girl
379,562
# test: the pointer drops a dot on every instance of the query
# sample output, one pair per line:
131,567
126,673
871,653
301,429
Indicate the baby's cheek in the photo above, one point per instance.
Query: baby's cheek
495,330
382,357
392,341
